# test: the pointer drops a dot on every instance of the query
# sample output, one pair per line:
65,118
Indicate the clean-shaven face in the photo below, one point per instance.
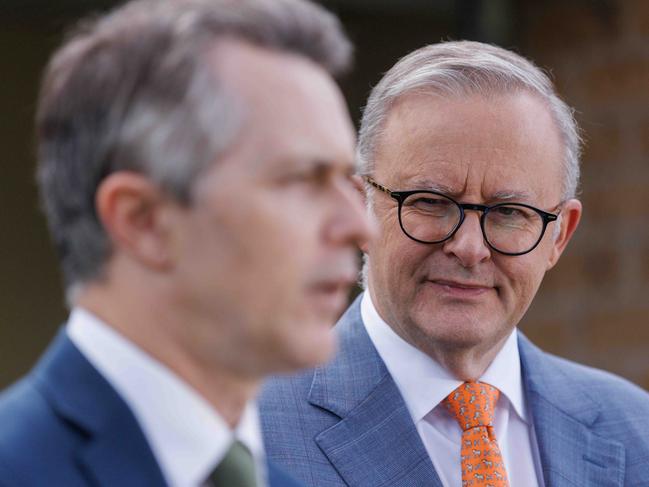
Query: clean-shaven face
268,247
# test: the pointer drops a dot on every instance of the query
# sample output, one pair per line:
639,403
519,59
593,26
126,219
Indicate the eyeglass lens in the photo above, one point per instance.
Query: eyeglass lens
509,228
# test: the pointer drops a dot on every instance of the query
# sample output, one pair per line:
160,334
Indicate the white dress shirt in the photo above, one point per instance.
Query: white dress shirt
424,384
186,434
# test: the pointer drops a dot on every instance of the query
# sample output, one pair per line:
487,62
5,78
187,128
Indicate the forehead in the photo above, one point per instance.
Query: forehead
483,147
293,110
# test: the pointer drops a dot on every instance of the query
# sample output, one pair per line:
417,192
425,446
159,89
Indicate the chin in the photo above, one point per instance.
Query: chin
460,342
466,337
462,331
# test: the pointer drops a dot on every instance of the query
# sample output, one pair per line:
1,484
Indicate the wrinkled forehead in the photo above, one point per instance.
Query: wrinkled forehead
496,147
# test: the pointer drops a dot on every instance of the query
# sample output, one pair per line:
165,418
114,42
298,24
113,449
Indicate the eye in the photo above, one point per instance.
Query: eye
508,211
512,215
314,176
321,174
430,204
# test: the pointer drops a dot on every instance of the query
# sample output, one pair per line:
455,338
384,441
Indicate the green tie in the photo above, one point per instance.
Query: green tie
237,469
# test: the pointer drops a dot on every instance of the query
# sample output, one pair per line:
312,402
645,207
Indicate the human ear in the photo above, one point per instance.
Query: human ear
570,216
132,210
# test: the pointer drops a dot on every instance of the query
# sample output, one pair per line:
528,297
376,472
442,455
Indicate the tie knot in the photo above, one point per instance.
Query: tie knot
472,404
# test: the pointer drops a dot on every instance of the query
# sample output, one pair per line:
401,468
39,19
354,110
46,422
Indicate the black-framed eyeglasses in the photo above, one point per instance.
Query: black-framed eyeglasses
430,217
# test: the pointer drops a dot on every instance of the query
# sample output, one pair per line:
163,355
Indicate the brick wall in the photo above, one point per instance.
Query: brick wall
594,307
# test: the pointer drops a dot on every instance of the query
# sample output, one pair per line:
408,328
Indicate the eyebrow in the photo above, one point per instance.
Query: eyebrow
508,195
428,185
332,165
503,195
319,164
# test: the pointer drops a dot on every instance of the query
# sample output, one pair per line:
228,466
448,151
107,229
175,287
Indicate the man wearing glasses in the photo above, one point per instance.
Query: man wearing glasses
471,165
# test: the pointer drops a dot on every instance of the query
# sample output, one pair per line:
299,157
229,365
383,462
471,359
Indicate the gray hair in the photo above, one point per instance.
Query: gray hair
464,68
133,90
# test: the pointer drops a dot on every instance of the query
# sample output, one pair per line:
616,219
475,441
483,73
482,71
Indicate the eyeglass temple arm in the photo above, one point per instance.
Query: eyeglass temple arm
377,185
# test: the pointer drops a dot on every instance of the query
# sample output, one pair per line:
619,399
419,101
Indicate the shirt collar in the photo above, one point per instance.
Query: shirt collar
187,435
423,382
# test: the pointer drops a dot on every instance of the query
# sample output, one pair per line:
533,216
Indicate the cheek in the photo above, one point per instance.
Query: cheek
522,280
265,232
390,243
282,252
396,263
289,241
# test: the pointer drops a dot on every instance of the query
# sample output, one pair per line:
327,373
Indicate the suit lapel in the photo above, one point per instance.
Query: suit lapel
116,452
564,412
375,443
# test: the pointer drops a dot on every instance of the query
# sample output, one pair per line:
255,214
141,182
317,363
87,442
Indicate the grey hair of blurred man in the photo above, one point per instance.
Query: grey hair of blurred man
460,69
134,91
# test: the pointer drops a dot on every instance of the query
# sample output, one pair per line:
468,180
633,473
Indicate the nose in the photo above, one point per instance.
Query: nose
468,244
350,223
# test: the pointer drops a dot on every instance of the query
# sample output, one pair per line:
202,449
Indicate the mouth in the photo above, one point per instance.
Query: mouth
460,289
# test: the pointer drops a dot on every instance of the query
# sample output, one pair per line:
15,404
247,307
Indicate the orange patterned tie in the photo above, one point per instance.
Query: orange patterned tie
472,405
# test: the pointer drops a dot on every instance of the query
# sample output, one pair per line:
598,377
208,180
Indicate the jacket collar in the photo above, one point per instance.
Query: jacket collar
375,430
116,452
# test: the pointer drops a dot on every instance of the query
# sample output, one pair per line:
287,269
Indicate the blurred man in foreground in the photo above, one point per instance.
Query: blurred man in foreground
471,163
194,164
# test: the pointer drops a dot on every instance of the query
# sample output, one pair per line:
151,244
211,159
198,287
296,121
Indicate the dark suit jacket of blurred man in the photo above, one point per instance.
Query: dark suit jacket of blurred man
194,167
87,435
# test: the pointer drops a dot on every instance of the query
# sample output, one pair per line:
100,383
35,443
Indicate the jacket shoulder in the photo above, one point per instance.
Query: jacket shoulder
35,444
618,409
610,391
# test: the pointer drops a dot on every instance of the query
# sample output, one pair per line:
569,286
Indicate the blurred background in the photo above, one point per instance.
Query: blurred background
593,308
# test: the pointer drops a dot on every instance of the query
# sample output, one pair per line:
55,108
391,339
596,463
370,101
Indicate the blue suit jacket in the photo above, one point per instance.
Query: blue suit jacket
346,423
64,425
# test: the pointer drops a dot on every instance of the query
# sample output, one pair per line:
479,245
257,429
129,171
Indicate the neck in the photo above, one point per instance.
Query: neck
467,365
465,361
150,326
